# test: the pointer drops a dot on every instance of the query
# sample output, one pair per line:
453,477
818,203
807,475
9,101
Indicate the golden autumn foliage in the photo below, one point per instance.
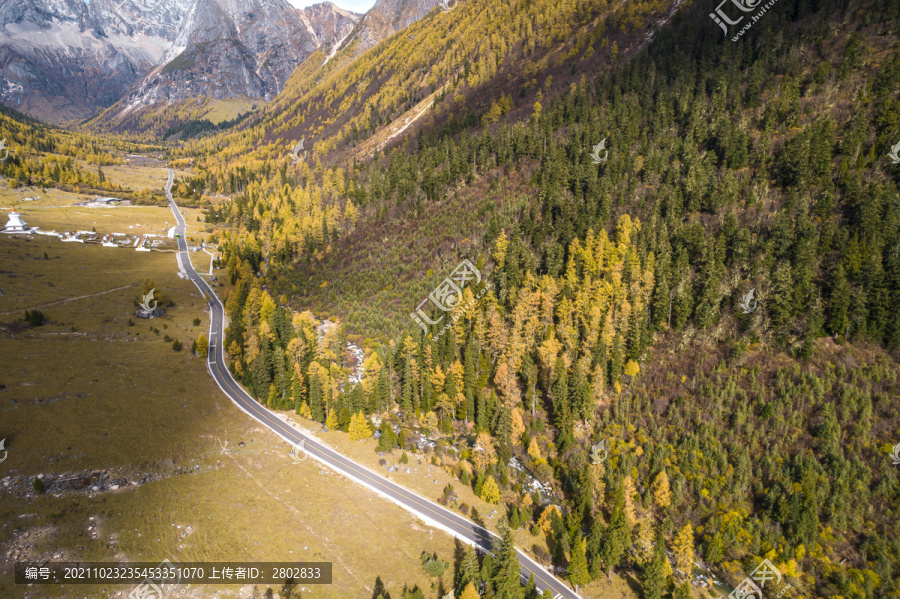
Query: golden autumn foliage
359,427
662,495
490,492
546,518
534,450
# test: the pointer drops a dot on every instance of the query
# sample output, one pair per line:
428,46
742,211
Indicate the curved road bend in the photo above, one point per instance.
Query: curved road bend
458,526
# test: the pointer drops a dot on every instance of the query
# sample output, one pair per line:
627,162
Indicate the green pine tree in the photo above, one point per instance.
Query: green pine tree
595,543
839,309
296,393
653,576
468,570
682,591
406,393
316,402
383,391
577,571
530,591
481,415
506,574
618,537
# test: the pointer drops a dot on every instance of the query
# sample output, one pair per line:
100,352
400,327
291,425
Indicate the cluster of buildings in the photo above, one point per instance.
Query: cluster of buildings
140,242
104,203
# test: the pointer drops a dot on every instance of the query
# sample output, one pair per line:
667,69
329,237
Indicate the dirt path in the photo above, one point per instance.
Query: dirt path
70,299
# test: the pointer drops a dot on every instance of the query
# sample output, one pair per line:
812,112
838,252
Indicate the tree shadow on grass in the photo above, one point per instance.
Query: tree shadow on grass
380,592
459,552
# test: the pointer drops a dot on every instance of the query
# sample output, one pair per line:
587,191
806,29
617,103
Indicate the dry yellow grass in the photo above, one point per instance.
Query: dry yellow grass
55,210
226,110
117,397
139,177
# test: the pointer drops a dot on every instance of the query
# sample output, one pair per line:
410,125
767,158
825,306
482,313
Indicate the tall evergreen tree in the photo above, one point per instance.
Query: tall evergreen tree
469,572
653,577
406,393
383,391
839,308
530,591
577,571
316,401
506,574
296,392
482,418
618,534
595,543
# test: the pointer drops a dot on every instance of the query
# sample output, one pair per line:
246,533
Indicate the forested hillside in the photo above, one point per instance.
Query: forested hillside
342,108
613,311
38,154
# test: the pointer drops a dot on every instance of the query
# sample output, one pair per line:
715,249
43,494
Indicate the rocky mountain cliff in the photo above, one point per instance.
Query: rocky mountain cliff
386,18
231,49
62,60
331,24
328,21
155,18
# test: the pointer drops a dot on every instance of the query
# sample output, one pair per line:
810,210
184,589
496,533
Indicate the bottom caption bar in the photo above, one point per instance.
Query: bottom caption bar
157,575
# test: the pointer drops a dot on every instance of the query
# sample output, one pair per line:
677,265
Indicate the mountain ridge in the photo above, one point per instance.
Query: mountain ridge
63,60
227,50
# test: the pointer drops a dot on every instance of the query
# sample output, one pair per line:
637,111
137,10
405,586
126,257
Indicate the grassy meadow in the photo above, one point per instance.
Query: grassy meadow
89,391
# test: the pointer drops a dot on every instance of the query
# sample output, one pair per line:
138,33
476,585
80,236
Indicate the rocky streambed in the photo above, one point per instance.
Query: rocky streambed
86,481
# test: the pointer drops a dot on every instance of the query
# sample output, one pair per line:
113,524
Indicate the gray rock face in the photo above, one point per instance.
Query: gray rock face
234,49
384,19
63,60
231,49
328,22
154,18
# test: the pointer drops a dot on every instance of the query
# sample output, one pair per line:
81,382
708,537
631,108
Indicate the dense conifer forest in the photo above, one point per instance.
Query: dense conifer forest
613,312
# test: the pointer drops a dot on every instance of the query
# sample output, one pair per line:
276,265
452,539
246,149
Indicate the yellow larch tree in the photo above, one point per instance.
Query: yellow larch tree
359,427
683,550
490,492
629,491
662,494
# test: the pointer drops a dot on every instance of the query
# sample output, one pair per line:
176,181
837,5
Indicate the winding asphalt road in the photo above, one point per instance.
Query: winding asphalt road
456,525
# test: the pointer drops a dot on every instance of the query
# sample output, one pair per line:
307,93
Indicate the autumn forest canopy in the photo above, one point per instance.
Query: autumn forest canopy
609,306
613,312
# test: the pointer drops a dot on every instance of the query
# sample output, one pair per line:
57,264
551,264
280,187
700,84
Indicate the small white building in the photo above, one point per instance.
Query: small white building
15,224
